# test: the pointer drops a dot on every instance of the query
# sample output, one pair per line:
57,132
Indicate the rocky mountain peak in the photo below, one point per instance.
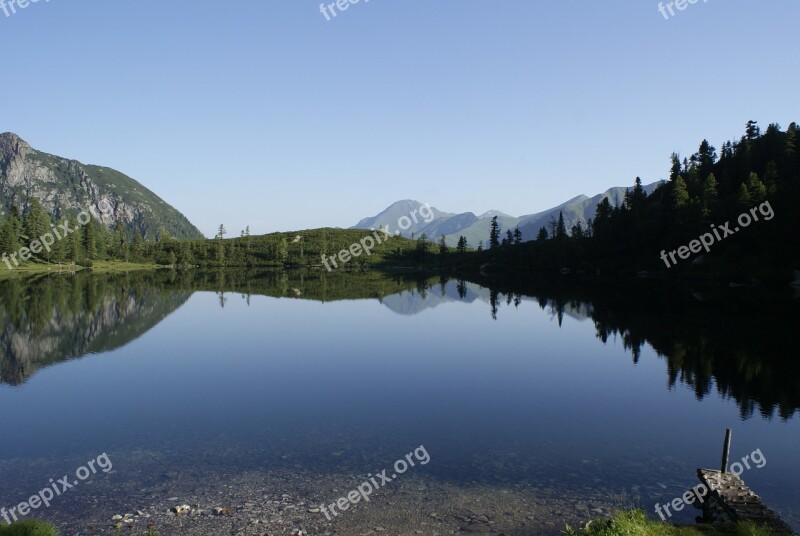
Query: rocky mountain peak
66,187
12,146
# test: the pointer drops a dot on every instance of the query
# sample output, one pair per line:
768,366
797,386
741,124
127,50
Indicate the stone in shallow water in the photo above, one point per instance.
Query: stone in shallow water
182,509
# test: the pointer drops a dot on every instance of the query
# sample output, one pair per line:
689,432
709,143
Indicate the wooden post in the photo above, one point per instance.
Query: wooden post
726,450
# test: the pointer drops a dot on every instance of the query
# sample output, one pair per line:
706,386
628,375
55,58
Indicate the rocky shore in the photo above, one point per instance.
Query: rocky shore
148,489
256,504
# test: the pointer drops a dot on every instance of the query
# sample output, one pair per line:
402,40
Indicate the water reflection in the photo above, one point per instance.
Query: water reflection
47,320
730,342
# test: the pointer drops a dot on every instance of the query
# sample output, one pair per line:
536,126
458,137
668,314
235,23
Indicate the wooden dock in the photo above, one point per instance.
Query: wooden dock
730,500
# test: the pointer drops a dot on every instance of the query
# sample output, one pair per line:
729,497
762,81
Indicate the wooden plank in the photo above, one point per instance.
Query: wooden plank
730,494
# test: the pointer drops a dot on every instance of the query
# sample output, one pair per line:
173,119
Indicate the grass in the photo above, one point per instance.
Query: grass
120,266
30,527
35,268
33,527
636,523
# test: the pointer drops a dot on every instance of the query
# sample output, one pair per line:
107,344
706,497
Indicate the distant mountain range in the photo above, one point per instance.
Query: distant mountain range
476,228
66,187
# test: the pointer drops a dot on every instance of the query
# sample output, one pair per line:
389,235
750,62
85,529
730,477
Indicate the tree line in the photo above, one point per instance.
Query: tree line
707,188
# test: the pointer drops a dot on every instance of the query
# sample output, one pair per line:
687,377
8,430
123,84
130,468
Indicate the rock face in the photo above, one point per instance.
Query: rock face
66,187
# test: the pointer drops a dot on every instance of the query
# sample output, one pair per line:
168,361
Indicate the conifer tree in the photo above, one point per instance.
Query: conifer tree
710,194
561,228
758,192
494,234
36,222
680,193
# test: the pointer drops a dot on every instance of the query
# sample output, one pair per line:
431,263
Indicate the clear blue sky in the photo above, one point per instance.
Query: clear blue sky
261,112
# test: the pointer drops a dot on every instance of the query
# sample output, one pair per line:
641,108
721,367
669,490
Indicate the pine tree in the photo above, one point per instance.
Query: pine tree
104,239
753,131
675,170
185,256
680,193
9,239
36,222
710,194
561,228
494,234
542,236
118,241
75,247
480,246
462,245
743,196
706,157
791,142
636,198
422,243
442,245
589,231
771,177
758,192
517,236
60,247
137,249
220,244
89,240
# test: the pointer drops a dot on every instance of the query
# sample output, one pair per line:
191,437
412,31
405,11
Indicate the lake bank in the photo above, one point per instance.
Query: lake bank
31,269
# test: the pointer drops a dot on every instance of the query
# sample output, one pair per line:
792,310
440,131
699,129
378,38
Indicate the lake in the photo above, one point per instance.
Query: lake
272,393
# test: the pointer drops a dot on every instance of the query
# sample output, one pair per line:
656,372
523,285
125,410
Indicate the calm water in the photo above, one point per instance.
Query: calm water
299,371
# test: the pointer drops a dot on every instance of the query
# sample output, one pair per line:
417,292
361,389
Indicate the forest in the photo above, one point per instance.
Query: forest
706,191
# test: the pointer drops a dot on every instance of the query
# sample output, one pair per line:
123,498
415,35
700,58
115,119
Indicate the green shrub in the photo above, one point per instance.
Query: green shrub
29,527
636,523
748,529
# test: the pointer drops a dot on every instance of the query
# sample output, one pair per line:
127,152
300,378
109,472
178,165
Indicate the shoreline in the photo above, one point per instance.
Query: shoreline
52,269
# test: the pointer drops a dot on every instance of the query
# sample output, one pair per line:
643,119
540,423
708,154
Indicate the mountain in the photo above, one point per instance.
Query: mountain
579,209
66,187
407,208
492,213
476,228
